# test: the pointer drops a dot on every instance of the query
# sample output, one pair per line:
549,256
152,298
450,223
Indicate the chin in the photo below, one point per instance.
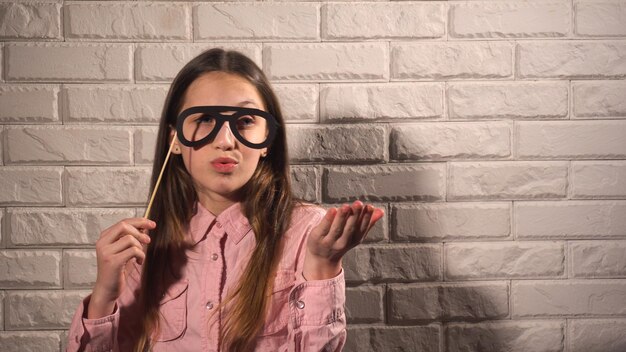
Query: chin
227,191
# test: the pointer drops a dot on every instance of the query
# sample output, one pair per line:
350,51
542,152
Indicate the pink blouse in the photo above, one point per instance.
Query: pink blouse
303,315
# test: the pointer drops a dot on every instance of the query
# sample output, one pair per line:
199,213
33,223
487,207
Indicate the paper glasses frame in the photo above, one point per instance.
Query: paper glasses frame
215,112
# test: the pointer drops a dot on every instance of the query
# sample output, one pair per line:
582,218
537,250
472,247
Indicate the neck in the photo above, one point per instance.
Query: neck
216,204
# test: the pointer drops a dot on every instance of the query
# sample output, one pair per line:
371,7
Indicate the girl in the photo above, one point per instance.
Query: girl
233,261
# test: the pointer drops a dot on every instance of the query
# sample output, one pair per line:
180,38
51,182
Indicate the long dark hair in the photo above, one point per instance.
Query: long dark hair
268,206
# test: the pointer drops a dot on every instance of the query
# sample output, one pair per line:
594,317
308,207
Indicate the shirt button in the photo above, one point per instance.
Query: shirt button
214,256
219,226
209,305
300,304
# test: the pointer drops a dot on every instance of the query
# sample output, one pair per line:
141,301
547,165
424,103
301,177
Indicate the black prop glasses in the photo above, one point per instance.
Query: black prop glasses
198,125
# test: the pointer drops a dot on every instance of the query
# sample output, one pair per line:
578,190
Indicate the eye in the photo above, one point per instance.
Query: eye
204,118
244,122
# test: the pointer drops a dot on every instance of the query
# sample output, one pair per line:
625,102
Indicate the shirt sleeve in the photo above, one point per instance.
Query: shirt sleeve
103,334
92,334
317,320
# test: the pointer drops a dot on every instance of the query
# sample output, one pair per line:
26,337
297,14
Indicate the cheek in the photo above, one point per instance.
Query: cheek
191,159
186,155
252,159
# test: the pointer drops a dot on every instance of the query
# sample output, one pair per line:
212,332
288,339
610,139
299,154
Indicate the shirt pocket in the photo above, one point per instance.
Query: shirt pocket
173,312
278,312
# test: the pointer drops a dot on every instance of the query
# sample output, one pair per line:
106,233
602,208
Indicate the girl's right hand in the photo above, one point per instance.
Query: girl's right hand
117,245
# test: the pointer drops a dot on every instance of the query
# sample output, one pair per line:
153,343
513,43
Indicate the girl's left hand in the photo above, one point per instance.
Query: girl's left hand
339,231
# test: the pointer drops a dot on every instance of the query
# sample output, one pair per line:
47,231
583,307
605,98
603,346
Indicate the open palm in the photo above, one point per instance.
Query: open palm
339,231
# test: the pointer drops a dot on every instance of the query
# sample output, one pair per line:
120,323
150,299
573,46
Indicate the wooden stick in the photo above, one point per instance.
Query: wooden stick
156,186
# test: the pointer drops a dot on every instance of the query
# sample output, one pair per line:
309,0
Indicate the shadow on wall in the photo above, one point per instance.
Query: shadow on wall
398,300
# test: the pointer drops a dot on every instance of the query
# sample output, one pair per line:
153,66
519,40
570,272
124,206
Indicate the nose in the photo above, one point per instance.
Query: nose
224,139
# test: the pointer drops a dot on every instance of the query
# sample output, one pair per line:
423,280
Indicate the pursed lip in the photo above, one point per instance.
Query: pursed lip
224,160
224,165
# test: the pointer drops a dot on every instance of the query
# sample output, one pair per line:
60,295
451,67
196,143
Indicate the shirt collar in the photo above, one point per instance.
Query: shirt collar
232,220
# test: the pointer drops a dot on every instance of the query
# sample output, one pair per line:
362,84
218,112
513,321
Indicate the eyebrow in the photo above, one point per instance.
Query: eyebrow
247,102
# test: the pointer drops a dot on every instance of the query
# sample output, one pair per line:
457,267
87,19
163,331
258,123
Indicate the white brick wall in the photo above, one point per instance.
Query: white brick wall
492,132
118,21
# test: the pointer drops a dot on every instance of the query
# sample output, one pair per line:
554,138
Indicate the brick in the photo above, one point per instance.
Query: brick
161,62
379,232
566,139
326,61
507,180
451,60
2,242
127,104
107,186
451,221
256,21
415,303
79,268
305,182
40,310
29,104
598,179
298,102
596,259
364,304
140,211
64,340
337,143
516,100
571,298
384,183
30,269
144,140
30,185
441,141
501,260
2,295
382,21
67,145
599,99
60,227
602,18
393,338
1,145
388,101
569,219
72,62
571,59
532,335
127,21
30,341
40,20
605,335
393,263
509,20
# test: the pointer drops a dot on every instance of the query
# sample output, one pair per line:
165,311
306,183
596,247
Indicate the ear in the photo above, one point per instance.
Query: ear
176,147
